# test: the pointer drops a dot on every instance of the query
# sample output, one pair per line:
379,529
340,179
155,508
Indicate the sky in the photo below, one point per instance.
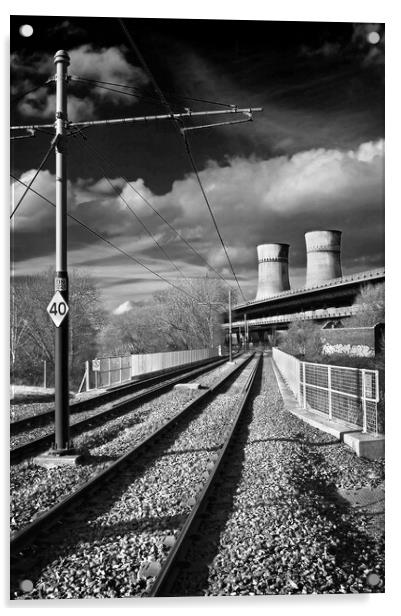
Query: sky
313,159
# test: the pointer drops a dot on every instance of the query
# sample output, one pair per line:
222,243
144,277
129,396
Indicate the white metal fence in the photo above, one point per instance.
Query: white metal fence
341,393
153,362
108,371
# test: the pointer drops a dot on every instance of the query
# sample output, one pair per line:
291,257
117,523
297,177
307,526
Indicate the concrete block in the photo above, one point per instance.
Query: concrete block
51,460
365,445
187,386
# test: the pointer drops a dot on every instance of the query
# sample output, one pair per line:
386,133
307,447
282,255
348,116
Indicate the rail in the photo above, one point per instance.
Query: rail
40,444
168,573
24,537
124,389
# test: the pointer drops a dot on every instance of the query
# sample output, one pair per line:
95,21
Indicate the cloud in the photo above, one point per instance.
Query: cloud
84,101
42,105
254,201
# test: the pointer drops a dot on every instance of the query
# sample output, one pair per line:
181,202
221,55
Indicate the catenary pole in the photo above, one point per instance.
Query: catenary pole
230,338
62,441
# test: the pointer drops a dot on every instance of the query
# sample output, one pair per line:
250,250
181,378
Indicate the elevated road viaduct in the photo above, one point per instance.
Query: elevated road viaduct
327,295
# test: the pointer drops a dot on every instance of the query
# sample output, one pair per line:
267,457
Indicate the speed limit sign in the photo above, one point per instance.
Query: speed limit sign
57,308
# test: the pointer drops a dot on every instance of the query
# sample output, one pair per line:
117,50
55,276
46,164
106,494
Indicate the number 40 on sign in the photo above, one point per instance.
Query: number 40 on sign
57,308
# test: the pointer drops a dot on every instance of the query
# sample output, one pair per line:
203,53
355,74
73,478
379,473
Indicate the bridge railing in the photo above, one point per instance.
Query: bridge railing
339,392
315,315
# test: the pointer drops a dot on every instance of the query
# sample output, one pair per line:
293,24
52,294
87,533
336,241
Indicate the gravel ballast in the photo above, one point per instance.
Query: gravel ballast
35,489
278,525
283,529
115,547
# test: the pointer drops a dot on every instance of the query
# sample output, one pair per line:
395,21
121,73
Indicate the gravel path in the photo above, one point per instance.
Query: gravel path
116,547
280,528
35,489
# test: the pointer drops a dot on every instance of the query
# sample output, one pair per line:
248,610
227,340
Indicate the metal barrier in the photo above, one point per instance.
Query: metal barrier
153,362
341,393
108,371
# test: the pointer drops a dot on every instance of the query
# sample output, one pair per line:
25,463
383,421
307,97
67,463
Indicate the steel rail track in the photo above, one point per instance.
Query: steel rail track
25,536
40,444
176,557
41,419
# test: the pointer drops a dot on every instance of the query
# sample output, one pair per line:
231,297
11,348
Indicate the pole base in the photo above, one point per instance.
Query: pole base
58,457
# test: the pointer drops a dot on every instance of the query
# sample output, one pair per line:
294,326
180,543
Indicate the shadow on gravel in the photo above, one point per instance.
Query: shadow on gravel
177,452
110,433
147,523
191,580
295,440
341,530
88,460
67,535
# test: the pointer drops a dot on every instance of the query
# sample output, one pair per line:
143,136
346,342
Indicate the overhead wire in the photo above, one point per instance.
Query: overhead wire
191,158
46,156
148,203
107,241
18,97
187,146
149,99
172,96
119,195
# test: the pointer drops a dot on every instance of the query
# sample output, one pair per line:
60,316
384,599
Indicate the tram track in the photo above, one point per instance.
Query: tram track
40,443
138,454
190,532
47,417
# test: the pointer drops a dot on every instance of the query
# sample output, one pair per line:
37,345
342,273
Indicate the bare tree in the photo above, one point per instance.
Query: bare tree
302,339
32,333
371,303
174,319
191,318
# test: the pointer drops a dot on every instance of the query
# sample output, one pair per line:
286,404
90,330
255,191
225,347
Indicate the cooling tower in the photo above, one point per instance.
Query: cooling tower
272,270
323,250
